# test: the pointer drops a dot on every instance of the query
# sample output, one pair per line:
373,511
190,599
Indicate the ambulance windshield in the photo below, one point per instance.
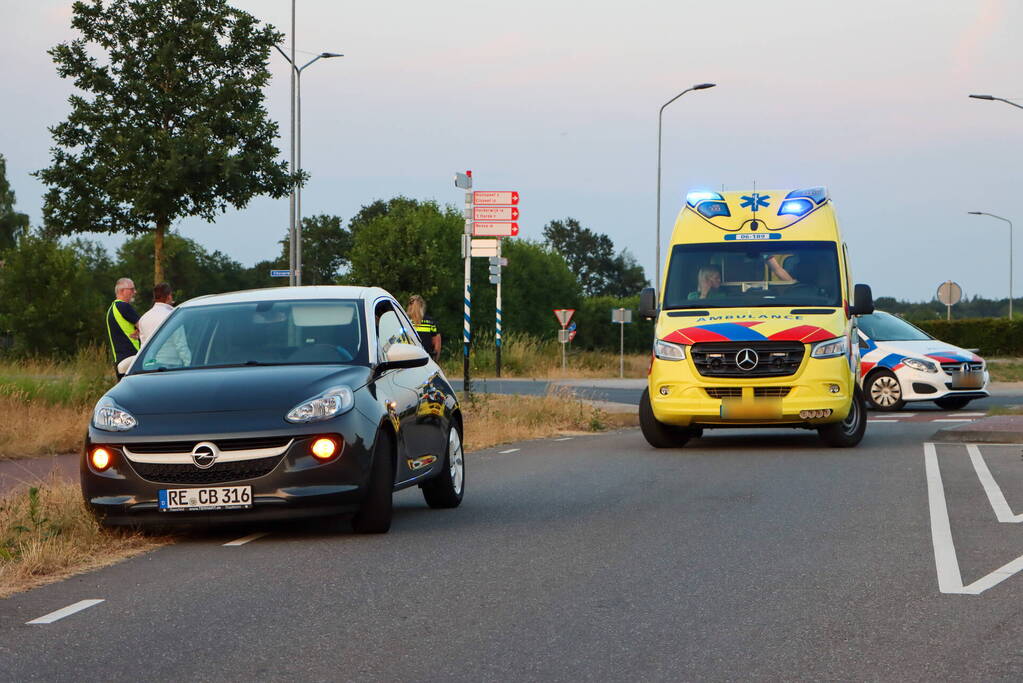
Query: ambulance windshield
746,273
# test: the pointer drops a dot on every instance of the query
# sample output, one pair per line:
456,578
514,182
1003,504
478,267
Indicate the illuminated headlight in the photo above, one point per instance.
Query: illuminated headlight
919,364
668,351
110,417
830,348
330,403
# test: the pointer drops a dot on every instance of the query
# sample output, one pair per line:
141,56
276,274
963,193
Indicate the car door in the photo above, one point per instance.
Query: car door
433,413
394,388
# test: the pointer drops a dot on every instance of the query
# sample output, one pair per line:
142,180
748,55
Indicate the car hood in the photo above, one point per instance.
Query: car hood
930,348
806,324
231,389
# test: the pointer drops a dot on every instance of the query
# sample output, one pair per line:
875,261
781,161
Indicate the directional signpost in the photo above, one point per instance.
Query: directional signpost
463,181
488,214
621,316
564,334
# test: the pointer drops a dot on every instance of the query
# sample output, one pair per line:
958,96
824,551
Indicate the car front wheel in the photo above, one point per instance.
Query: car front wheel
658,434
884,391
374,515
849,431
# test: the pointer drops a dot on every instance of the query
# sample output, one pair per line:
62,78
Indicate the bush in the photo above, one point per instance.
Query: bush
993,336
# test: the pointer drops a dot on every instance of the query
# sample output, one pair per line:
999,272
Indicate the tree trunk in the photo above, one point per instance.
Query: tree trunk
161,228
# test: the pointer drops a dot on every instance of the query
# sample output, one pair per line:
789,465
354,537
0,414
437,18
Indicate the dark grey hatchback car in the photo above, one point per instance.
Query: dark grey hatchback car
276,403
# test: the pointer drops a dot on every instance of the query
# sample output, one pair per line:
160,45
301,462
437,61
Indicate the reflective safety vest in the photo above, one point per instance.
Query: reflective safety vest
126,328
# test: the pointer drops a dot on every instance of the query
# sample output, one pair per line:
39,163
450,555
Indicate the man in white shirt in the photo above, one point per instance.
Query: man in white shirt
174,351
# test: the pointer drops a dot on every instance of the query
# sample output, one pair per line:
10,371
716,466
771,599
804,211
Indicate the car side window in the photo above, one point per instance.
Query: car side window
389,329
410,329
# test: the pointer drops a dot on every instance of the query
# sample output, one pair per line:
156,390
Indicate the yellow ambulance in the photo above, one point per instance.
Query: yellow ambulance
755,321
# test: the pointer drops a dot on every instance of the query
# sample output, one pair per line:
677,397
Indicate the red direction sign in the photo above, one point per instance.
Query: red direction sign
489,229
495,198
564,315
495,213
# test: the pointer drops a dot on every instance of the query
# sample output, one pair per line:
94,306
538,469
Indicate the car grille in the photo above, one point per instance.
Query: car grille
777,392
224,445
718,359
758,392
724,392
220,473
951,368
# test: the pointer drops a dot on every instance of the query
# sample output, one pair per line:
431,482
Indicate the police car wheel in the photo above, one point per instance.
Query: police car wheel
952,402
658,434
884,391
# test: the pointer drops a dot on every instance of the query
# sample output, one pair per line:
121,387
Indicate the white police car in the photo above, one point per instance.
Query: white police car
899,362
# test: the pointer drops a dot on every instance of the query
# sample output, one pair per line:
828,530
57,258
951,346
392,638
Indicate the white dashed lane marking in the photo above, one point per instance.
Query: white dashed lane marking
564,438
65,612
958,419
510,450
245,539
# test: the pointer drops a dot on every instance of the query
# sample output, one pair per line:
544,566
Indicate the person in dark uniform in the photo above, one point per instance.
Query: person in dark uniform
425,327
122,326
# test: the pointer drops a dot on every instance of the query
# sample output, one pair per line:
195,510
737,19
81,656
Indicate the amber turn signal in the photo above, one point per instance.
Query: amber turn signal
324,448
100,459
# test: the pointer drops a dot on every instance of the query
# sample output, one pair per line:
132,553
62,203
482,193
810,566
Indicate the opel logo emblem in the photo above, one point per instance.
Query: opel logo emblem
747,359
204,454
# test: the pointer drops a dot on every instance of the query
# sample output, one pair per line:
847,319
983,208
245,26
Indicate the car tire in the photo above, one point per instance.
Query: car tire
658,434
374,515
447,488
952,402
883,391
849,432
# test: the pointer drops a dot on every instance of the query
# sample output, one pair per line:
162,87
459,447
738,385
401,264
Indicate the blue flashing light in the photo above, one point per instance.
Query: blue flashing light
815,194
795,207
697,196
713,209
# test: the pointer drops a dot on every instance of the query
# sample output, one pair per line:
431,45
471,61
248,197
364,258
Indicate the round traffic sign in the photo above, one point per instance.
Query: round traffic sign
949,293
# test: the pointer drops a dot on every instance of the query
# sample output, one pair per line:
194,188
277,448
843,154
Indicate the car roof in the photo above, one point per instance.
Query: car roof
311,293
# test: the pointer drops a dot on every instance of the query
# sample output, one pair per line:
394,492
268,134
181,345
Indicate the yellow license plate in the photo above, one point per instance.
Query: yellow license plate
746,409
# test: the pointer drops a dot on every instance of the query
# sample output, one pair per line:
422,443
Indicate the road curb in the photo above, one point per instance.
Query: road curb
995,429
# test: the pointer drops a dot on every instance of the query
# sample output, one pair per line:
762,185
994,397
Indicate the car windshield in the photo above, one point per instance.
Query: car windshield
881,326
747,273
258,333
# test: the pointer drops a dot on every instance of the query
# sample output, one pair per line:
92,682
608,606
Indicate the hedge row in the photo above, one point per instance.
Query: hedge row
993,336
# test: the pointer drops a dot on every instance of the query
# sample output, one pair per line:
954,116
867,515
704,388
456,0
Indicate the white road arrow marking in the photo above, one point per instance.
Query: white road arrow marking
945,561
992,489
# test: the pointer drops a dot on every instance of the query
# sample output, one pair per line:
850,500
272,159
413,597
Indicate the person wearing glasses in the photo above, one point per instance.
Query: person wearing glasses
122,326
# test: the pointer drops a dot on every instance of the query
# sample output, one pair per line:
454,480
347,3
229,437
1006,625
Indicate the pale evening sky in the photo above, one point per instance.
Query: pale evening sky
559,101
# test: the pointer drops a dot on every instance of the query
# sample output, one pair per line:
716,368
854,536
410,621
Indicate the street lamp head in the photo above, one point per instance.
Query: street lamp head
982,97
975,213
703,86
328,55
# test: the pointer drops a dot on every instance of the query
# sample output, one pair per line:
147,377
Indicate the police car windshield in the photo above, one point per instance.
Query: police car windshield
744,273
881,326
258,333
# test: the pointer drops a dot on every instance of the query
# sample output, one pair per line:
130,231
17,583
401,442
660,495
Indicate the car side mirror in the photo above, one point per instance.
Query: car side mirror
648,303
863,301
404,356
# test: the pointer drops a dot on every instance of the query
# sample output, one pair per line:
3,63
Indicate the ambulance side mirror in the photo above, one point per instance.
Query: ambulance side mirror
863,301
648,303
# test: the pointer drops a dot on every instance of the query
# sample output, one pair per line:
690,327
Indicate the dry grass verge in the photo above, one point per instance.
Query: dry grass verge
31,428
492,419
47,534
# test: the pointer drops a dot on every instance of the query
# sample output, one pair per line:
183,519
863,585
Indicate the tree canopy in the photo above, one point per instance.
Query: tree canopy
591,256
172,123
13,224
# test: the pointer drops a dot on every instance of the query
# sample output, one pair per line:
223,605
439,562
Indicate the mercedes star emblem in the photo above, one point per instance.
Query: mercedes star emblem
965,367
204,454
747,359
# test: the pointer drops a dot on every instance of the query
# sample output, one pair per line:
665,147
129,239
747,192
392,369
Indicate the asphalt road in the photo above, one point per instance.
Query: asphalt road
745,555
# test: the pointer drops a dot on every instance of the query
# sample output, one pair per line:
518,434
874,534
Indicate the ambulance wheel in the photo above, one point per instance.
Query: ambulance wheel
884,391
658,434
952,402
849,431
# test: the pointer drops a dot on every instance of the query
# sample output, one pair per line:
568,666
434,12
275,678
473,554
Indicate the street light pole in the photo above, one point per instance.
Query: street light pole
296,164
984,213
657,262
1000,99
291,164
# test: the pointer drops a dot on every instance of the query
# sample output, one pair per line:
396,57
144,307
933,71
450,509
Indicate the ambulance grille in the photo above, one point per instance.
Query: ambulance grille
774,359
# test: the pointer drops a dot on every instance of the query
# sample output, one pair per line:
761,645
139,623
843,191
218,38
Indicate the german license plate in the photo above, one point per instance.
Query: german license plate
757,409
967,380
209,498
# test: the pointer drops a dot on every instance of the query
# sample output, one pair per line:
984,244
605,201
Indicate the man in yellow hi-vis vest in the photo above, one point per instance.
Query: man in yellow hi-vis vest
122,324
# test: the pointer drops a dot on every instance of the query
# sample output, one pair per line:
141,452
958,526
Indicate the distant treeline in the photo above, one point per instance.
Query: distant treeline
974,307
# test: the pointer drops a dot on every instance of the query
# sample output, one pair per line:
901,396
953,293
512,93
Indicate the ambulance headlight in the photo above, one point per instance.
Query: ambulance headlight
668,351
830,348
920,364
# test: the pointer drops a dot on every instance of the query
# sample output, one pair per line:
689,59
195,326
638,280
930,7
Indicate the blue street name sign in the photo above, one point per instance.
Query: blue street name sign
280,273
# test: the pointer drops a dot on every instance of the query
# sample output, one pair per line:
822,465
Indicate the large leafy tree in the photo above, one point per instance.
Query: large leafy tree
591,255
172,122
326,250
13,224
